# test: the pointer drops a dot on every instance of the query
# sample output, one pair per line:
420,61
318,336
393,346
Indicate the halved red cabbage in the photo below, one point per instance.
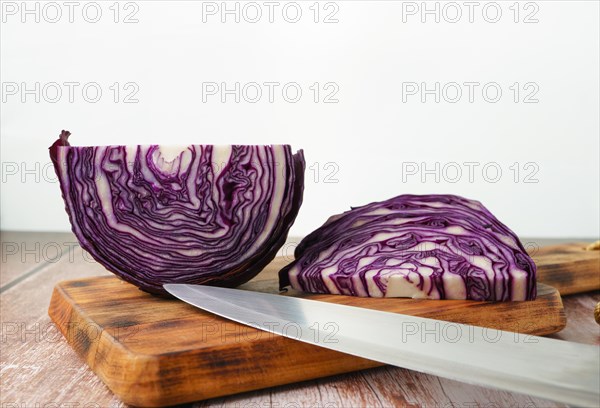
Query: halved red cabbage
195,214
429,246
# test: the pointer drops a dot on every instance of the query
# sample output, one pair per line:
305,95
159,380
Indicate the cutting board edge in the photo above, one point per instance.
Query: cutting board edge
155,394
77,336
64,311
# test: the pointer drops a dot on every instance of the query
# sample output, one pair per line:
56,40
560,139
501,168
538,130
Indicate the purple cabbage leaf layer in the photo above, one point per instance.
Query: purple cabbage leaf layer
417,246
197,214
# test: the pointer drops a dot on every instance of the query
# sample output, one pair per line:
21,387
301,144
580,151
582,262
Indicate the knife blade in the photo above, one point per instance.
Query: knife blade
558,370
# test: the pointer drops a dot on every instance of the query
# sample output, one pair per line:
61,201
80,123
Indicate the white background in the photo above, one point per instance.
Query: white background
370,137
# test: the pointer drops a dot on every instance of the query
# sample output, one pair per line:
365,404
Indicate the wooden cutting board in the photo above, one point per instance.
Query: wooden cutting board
155,352
570,268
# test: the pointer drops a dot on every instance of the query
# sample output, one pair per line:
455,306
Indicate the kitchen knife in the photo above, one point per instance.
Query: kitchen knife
554,369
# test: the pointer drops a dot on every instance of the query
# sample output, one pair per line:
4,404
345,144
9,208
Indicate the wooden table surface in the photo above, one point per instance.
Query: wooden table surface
39,370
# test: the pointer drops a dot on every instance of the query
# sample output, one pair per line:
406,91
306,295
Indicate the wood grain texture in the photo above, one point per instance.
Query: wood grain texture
581,326
26,252
39,368
569,268
153,351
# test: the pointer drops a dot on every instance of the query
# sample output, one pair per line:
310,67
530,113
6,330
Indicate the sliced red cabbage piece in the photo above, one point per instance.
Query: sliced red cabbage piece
416,246
198,214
